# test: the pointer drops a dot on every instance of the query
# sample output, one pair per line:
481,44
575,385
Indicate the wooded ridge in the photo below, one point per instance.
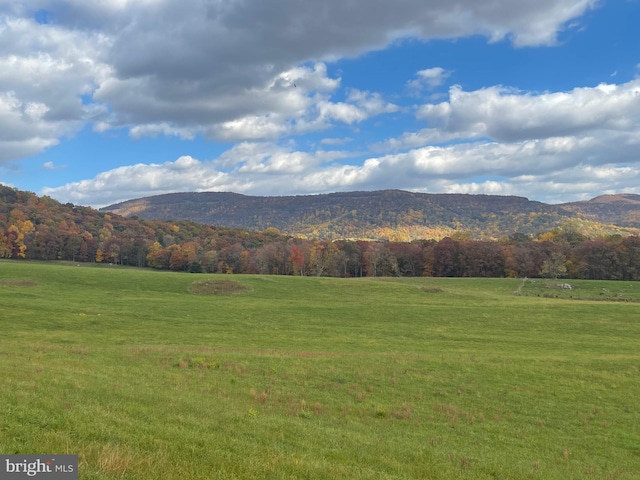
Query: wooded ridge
391,215
40,228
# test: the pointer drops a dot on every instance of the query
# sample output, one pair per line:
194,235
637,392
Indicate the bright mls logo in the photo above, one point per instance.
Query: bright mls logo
49,467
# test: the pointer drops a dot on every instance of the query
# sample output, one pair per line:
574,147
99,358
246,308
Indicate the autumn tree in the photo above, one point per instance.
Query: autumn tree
6,246
409,258
209,261
446,258
481,259
232,258
596,259
323,258
190,251
71,247
178,260
555,266
628,251
267,259
297,259
152,255
351,258
380,261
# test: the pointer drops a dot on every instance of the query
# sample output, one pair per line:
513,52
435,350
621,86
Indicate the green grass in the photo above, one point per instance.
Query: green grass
158,375
622,291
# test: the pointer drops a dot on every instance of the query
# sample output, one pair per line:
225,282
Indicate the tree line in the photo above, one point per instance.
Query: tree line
40,228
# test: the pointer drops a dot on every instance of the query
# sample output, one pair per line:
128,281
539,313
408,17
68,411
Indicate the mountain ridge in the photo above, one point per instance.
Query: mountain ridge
395,215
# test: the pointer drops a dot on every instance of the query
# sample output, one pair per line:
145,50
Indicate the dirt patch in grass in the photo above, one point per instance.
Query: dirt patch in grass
17,282
218,287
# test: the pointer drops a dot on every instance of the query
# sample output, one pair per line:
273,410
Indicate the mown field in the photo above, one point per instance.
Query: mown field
157,375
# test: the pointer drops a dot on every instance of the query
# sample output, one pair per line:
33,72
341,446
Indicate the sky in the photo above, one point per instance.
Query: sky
105,101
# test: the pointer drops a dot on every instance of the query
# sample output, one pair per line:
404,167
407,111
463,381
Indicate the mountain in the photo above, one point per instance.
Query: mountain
388,214
622,209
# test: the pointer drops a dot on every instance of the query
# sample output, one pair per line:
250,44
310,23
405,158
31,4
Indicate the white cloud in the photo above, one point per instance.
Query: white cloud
250,128
155,129
359,106
52,166
509,116
224,69
43,72
343,112
247,167
429,78
24,129
336,141
506,115
138,180
546,146
545,169
255,72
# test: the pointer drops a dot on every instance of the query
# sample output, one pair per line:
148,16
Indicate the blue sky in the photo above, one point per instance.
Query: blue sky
106,101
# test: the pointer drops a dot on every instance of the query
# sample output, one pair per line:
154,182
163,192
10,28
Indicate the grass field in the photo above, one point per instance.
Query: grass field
157,375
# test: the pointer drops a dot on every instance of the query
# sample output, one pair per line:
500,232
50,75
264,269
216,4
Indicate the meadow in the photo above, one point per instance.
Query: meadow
159,375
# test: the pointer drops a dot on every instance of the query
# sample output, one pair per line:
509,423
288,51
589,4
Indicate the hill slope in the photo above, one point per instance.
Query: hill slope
41,228
386,214
622,209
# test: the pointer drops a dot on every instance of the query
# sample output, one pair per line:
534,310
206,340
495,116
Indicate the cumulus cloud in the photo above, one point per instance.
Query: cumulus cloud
233,57
506,115
52,166
548,146
429,78
358,107
44,71
138,180
255,73
229,70
546,169
25,130
249,167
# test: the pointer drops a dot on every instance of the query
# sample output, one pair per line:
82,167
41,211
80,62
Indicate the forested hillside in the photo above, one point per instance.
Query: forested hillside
391,215
40,228
621,210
